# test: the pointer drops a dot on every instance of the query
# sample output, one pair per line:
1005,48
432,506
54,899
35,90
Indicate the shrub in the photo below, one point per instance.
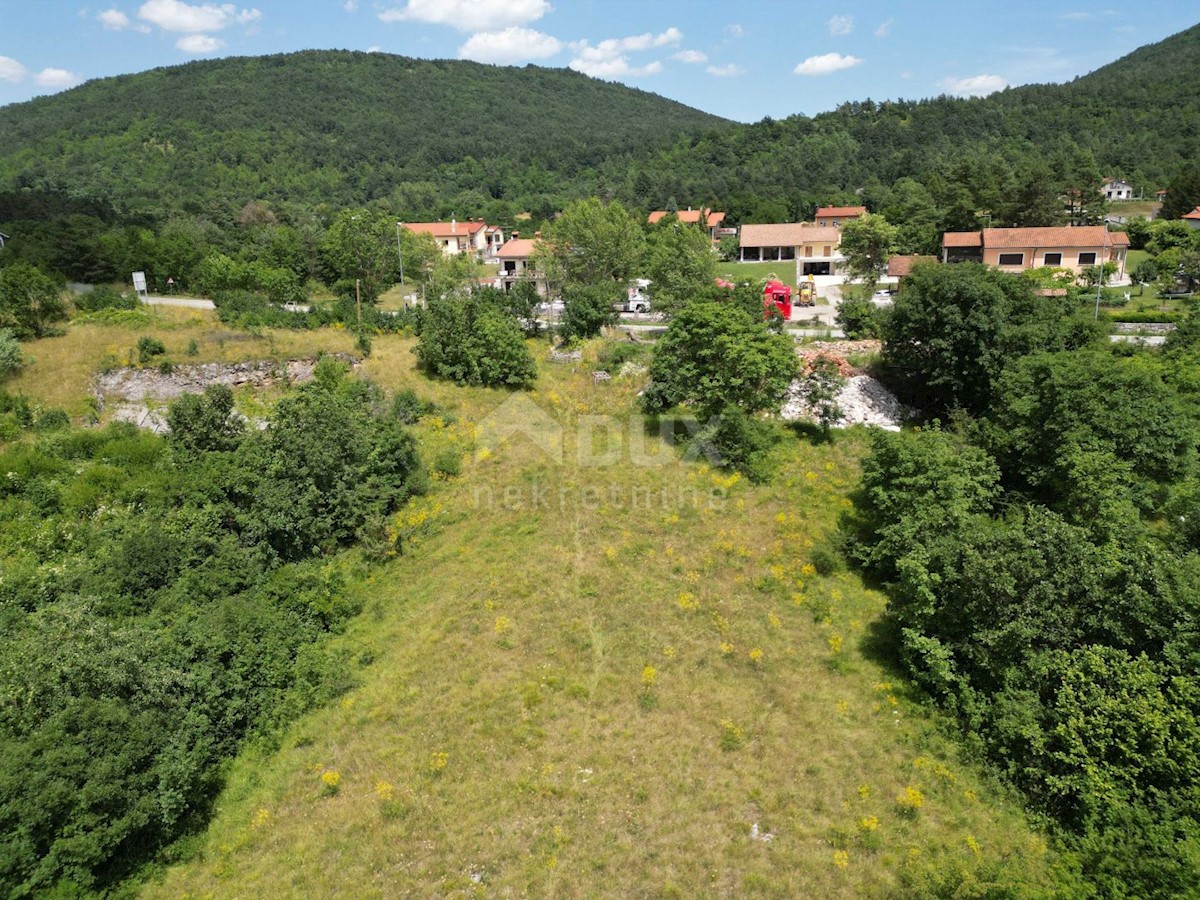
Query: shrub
105,297
408,408
588,308
11,357
740,442
470,341
859,318
148,348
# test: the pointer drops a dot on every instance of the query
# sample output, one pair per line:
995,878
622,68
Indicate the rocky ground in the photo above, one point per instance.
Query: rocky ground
863,400
137,395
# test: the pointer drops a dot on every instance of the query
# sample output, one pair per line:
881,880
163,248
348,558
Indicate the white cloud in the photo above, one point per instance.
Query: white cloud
56,78
840,25
729,71
735,30
173,15
608,59
113,19
469,15
690,56
11,70
512,45
974,86
884,29
350,6
614,68
825,64
199,43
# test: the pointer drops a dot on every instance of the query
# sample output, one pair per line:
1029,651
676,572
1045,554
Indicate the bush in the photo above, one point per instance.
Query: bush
408,408
734,440
470,341
148,348
11,357
859,318
589,308
105,297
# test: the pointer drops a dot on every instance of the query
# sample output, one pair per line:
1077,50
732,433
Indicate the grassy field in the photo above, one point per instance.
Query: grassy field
64,365
784,270
594,674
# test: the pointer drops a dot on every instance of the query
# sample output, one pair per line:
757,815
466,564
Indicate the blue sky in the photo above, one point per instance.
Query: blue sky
741,60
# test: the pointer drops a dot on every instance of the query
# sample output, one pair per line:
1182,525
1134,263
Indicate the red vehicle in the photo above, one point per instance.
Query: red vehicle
778,295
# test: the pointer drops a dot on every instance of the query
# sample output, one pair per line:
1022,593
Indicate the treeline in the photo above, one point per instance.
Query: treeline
164,600
1039,548
312,132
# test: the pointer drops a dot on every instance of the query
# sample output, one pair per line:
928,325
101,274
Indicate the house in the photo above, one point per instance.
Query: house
1192,219
838,215
711,220
1016,249
813,246
1116,189
899,267
515,265
472,236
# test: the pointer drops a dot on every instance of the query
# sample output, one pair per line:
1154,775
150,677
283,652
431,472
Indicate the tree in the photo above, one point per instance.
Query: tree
714,354
679,261
868,242
587,308
953,329
471,340
207,422
360,246
859,318
1183,194
29,301
591,243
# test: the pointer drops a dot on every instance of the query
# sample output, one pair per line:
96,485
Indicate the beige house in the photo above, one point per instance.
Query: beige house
515,266
1016,249
837,216
711,220
454,237
814,247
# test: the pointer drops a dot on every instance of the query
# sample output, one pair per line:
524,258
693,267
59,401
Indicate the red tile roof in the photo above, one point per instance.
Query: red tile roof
840,212
517,248
691,216
1194,214
788,234
962,239
1063,236
445,229
900,266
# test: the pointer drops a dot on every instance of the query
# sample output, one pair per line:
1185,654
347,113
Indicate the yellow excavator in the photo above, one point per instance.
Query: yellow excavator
807,290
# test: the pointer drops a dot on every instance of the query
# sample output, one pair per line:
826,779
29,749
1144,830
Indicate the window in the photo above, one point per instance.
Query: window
1052,259
1012,259
1087,259
808,250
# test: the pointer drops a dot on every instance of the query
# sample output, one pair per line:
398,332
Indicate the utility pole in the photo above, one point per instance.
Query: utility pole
400,256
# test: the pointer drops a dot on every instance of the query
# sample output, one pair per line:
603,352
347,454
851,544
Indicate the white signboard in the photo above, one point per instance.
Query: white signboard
139,282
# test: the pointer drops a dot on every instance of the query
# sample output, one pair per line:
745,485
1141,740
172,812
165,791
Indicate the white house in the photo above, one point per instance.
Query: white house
814,246
515,265
454,237
1116,189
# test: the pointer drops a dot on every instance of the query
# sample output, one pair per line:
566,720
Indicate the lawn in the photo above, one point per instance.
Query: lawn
784,270
612,672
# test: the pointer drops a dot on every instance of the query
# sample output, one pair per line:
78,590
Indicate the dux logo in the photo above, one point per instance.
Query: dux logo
599,440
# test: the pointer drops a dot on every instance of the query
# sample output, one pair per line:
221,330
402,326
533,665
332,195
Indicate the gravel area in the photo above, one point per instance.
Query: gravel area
863,401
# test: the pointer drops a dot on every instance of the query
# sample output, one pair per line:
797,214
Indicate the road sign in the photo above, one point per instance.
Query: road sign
139,282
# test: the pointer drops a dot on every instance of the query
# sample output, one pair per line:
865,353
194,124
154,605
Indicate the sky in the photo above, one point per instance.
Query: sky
741,60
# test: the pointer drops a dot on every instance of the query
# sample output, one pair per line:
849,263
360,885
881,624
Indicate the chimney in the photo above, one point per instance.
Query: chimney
515,235
453,226
537,234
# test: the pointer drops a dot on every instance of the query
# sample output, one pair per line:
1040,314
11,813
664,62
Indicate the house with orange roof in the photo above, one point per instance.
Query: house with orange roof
454,237
706,217
836,216
1192,219
1016,249
813,246
516,264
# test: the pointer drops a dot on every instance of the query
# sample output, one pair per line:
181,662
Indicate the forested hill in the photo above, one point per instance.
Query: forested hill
1137,118
436,138
330,127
